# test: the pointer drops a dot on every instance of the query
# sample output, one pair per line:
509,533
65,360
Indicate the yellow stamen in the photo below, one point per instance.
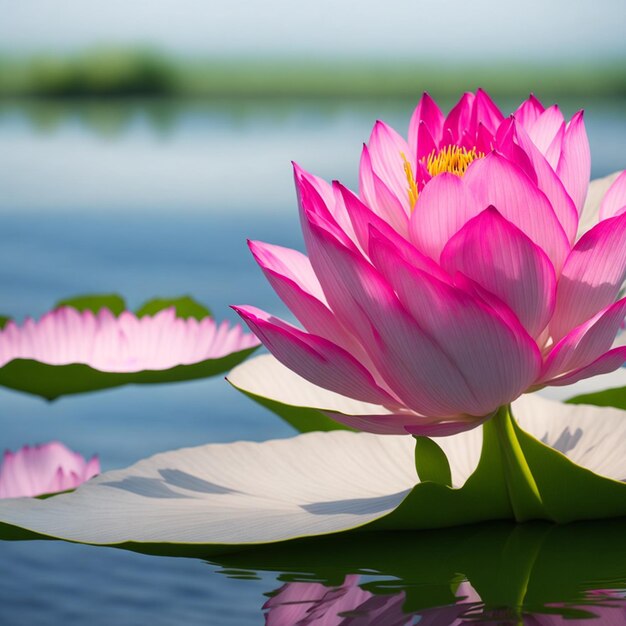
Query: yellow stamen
452,159
410,178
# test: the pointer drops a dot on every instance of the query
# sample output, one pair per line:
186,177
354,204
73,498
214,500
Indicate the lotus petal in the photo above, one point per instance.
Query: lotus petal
456,271
44,469
68,351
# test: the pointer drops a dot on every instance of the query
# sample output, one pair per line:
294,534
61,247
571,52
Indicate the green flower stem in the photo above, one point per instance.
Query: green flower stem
523,492
431,462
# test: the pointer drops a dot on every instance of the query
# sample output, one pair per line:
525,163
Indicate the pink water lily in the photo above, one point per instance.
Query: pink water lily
126,343
456,279
44,469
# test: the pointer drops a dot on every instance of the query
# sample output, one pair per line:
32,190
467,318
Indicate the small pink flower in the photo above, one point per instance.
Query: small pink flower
457,279
120,344
44,469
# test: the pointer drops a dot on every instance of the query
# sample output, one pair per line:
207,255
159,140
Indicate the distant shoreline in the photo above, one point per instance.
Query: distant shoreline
124,74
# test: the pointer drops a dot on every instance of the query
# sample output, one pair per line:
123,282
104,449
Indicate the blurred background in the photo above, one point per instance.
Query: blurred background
133,132
197,107
142,142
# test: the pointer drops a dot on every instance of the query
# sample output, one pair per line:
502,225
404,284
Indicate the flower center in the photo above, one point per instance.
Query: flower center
451,159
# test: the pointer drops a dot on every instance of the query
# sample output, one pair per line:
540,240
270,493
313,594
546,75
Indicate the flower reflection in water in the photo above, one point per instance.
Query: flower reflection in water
313,604
349,604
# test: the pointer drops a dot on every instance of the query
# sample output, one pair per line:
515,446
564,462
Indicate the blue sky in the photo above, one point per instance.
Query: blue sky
451,30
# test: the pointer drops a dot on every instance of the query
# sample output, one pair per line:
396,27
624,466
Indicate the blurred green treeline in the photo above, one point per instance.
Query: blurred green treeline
108,73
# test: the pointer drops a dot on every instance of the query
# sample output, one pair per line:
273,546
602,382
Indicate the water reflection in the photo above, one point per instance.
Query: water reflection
536,574
164,117
217,156
314,604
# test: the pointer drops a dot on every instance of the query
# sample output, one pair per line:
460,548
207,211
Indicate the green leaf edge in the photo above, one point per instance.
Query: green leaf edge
94,303
53,381
185,306
615,397
303,419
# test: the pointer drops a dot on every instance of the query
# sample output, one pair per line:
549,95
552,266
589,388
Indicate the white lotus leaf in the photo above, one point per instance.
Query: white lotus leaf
318,483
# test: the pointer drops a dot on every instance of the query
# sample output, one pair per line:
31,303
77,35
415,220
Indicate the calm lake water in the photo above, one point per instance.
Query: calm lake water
153,199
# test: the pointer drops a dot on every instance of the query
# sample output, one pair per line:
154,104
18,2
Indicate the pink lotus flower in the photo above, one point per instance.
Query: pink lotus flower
456,279
120,344
44,469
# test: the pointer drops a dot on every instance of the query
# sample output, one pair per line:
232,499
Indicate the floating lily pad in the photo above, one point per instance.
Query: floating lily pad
223,496
72,351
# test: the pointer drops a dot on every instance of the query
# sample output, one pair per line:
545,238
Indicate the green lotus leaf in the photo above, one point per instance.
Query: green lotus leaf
608,397
220,497
94,303
185,307
53,381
